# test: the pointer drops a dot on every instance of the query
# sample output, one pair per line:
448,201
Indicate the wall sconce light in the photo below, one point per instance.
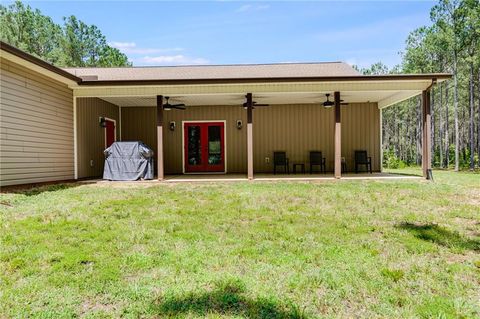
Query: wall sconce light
239,124
172,126
102,122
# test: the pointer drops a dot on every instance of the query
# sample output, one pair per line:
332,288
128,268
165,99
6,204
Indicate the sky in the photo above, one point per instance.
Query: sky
231,32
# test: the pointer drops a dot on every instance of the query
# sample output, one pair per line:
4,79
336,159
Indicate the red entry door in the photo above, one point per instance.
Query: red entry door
204,147
109,132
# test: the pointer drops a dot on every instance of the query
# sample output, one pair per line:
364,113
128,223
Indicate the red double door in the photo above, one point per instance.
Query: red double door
204,146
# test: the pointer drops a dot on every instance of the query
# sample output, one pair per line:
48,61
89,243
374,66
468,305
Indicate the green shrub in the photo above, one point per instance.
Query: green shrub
390,160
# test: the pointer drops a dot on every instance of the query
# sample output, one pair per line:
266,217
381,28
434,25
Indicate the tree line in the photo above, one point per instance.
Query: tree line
451,44
73,44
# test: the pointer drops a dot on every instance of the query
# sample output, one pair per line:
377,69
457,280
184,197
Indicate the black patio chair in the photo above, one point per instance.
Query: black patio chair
316,159
280,159
361,158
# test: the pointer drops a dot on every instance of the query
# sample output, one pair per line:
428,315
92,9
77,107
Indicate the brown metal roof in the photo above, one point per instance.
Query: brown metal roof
215,72
237,73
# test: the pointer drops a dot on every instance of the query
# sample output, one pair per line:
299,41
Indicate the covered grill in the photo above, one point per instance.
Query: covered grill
128,161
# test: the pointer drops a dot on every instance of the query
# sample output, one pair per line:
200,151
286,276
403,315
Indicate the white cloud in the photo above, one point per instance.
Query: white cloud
251,7
122,45
131,48
178,59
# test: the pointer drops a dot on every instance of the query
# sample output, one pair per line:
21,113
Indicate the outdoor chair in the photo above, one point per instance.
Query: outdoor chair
316,159
280,159
361,158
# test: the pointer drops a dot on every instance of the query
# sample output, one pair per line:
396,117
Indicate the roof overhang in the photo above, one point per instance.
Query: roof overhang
17,56
385,90
350,78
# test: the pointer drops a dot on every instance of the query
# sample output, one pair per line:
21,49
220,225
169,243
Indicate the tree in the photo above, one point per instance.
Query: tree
450,20
471,11
450,44
74,44
30,31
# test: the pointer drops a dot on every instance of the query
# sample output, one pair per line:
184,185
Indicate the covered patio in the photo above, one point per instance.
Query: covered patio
255,117
285,177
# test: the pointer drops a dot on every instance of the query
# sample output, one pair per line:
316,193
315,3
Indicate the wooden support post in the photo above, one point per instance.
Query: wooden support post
338,137
426,136
160,170
249,136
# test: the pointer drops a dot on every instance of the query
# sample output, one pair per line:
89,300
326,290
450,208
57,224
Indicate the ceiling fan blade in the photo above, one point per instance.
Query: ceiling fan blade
344,103
262,104
178,106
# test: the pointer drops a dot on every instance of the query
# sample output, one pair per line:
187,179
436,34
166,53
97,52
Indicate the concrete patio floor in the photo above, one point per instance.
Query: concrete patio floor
202,178
283,177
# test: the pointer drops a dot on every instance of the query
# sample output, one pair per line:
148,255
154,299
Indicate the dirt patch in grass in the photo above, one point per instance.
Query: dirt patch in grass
96,306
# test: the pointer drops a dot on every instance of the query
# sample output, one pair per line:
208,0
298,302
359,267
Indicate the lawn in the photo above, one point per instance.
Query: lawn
405,248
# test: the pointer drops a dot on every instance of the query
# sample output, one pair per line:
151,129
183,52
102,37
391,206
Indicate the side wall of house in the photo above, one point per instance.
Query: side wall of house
36,127
91,136
296,129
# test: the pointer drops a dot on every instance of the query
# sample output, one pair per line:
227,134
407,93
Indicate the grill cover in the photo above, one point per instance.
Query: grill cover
128,161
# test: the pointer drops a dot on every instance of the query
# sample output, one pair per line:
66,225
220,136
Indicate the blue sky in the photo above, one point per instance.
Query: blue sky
224,32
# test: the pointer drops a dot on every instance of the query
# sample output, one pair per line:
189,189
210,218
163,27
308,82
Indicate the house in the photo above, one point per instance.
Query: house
55,123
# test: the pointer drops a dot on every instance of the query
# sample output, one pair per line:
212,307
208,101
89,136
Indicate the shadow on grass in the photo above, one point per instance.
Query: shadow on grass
441,236
226,299
39,188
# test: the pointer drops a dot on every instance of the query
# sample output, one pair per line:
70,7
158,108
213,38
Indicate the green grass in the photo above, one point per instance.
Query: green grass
405,248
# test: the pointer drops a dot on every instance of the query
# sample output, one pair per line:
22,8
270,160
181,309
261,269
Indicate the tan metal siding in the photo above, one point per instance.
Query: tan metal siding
36,127
236,140
139,124
296,129
361,131
91,136
299,129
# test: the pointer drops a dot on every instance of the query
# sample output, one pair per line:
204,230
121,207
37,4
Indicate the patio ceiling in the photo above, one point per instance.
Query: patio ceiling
268,98
384,90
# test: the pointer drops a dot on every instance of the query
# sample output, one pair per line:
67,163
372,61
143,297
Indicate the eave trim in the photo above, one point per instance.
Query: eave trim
39,62
354,78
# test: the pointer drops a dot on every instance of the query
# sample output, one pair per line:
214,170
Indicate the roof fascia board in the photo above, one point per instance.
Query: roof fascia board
360,78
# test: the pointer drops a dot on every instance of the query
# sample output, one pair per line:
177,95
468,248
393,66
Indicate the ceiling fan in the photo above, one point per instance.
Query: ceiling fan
167,106
328,104
254,103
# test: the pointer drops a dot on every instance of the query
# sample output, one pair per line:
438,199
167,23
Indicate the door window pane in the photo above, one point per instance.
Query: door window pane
194,146
214,145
